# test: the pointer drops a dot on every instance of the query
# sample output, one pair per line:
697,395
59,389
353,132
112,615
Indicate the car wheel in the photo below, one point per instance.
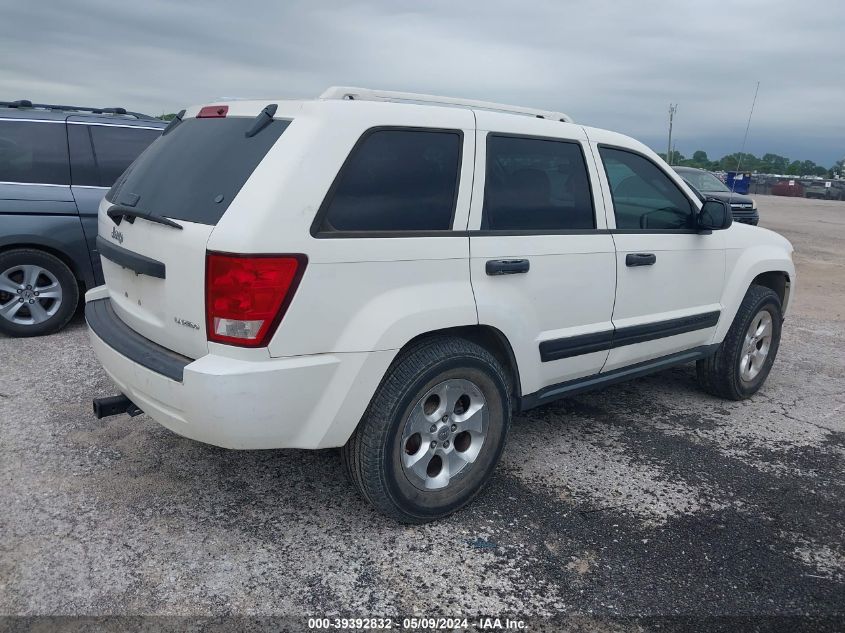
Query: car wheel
38,293
744,359
433,432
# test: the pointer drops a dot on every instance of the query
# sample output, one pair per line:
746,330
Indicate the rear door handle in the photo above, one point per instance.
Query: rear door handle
640,259
507,266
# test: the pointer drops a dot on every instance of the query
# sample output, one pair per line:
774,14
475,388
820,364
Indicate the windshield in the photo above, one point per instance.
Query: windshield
195,171
703,181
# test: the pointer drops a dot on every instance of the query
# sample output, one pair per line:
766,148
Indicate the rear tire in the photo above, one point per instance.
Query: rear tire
744,359
433,432
38,293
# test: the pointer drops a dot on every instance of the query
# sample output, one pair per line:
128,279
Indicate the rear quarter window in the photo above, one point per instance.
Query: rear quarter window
99,154
116,147
194,171
34,152
396,180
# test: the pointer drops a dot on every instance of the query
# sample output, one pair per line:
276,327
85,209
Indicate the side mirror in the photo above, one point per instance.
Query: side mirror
715,215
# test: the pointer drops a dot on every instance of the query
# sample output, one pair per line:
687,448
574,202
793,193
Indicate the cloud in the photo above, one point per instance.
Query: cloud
609,64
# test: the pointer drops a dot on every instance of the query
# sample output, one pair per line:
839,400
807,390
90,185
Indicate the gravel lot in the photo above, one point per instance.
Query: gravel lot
645,499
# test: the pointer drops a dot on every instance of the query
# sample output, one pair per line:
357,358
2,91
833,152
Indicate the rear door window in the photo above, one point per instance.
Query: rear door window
396,180
194,171
34,152
536,184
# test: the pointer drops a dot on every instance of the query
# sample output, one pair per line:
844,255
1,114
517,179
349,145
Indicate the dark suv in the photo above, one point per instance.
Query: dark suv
56,164
743,208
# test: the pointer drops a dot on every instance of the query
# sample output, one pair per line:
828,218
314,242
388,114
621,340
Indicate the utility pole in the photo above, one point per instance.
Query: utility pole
673,107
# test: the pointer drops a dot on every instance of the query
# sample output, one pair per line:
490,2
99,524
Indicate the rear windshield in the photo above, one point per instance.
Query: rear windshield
194,171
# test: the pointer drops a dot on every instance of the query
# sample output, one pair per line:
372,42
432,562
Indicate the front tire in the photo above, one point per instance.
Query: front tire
434,431
38,293
744,359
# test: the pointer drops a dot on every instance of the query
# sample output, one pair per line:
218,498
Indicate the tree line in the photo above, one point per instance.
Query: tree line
767,164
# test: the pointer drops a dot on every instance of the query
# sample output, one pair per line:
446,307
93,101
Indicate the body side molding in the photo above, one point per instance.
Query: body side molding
556,349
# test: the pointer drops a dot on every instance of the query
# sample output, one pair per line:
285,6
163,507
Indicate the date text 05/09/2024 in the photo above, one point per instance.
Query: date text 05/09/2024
417,623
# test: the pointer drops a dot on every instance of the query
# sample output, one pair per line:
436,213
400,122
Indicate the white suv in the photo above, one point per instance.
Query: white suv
395,274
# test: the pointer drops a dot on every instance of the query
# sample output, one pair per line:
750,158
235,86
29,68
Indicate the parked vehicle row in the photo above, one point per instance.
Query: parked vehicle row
395,274
56,163
824,190
799,187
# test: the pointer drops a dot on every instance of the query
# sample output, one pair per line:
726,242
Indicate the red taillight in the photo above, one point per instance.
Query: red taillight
246,295
213,112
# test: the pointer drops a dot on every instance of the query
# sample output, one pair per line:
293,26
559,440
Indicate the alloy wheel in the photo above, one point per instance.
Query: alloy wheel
444,434
756,346
29,294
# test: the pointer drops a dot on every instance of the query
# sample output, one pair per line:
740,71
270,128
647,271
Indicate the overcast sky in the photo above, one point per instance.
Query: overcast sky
616,65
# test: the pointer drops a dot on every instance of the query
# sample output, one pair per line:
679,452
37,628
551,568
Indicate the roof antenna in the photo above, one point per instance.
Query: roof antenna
745,138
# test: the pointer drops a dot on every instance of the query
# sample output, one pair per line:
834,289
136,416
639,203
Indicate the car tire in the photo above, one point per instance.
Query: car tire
27,277
744,359
433,432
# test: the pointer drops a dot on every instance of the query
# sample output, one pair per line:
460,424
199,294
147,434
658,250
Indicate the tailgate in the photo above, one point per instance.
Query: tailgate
155,275
156,220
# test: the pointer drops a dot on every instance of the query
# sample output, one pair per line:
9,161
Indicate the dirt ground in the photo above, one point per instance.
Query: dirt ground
613,510
816,229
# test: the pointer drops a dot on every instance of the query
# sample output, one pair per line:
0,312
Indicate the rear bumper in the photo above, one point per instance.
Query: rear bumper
104,322
296,402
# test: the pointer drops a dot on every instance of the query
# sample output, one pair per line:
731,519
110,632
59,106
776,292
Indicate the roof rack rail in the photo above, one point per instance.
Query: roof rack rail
366,94
25,103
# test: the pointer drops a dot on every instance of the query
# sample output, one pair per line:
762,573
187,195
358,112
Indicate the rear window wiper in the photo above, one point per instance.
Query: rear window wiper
264,118
117,212
174,122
